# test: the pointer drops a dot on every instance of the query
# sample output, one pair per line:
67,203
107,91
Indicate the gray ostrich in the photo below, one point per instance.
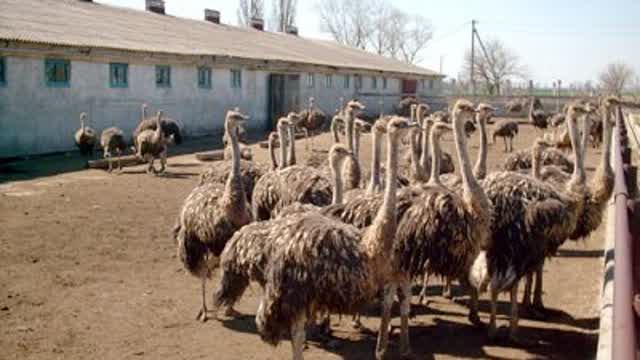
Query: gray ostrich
152,144
322,265
440,231
169,126
530,219
113,142
210,215
507,129
521,160
247,253
289,184
351,168
537,117
85,137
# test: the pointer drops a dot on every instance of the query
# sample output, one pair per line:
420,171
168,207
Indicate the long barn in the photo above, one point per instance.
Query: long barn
59,58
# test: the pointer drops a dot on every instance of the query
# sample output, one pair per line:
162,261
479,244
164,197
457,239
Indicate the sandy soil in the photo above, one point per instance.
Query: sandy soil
89,271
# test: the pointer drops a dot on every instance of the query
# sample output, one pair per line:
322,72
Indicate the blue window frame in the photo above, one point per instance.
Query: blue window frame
119,75
358,82
374,82
204,78
236,79
328,81
311,80
384,83
57,72
163,76
347,81
3,72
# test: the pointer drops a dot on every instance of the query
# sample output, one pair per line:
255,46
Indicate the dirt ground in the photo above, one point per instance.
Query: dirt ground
89,271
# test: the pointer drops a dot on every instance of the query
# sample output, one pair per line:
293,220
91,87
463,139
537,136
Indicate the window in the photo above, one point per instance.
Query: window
384,83
374,82
204,78
328,81
347,81
431,84
3,72
163,76
119,75
311,80
57,72
236,79
358,82
422,84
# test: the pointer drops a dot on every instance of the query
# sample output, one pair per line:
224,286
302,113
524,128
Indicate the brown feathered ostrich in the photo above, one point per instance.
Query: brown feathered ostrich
250,172
484,113
85,137
440,231
152,144
323,265
446,161
113,143
289,184
169,126
318,158
506,129
351,168
521,160
516,106
247,254
210,215
531,218
312,120
537,117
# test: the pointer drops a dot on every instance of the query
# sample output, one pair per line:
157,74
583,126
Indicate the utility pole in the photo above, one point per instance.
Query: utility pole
473,57
441,60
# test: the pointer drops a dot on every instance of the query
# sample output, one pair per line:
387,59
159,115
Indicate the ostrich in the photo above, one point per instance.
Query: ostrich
247,253
289,184
210,215
531,218
441,116
152,144
113,141
537,116
404,107
85,137
446,161
318,159
521,160
516,106
441,231
507,129
169,126
312,120
351,167
322,265
250,171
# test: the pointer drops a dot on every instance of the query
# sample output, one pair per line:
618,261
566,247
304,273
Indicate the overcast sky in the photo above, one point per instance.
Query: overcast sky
570,40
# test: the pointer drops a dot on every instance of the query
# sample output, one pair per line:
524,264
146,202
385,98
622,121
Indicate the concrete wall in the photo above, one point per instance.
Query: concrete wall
37,119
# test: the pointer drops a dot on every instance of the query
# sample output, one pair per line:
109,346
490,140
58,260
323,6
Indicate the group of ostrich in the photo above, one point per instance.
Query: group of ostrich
149,141
326,236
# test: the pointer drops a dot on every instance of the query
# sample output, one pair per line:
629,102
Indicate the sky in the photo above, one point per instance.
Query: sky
569,40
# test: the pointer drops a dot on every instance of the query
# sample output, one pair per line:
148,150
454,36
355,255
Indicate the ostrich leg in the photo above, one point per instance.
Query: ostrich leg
119,160
494,310
446,288
163,160
202,314
385,321
423,292
108,157
405,308
298,337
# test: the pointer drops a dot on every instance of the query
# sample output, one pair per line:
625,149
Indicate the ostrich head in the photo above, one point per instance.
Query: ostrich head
463,109
355,106
421,112
294,118
338,154
485,111
399,126
439,129
234,121
83,120
380,127
362,126
312,101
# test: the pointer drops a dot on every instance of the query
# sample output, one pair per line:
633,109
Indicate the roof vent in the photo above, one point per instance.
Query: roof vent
257,23
212,16
156,6
293,30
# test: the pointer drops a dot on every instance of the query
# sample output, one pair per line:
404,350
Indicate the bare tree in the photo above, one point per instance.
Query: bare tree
616,77
492,69
346,21
376,26
283,14
248,9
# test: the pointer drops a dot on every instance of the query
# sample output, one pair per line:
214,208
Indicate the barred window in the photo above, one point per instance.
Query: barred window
57,72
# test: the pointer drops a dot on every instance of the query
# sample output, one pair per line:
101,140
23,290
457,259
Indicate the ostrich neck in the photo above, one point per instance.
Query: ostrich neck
480,169
606,143
471,188
436,156
337,182
426,148
349,129
415,157
82,126
334,130
578,176
144,113
374,184
292,146
536,162
283,147
586,129
356,143
272,153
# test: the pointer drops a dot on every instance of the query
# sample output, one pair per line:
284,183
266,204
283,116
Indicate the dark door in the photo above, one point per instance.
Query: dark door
409,86
284,96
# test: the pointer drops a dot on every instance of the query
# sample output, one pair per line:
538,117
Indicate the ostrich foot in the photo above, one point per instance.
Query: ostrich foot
475,320
446,293
356,324
232,313
202,315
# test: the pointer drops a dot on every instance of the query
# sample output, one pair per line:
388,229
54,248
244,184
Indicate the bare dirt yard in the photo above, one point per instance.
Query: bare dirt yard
89,271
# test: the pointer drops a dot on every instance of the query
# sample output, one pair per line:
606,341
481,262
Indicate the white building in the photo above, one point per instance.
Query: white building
62,57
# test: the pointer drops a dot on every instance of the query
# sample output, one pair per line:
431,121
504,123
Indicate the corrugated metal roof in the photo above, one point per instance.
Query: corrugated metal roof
86,24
